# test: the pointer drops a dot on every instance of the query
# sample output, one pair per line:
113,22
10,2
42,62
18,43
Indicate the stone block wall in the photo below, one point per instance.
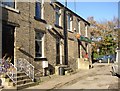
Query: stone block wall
24,36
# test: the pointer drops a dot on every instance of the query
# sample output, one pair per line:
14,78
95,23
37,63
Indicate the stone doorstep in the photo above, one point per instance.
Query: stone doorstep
24,81
22,77
23,86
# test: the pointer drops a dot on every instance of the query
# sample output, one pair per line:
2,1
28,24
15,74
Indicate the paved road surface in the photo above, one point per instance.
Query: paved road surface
100,78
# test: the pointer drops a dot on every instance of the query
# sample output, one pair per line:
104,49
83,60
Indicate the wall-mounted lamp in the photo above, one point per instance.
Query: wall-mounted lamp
48,27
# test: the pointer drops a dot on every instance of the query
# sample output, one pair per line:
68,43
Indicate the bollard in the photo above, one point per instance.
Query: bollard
108,60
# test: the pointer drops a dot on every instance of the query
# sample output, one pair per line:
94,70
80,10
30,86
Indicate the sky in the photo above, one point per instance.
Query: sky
99,10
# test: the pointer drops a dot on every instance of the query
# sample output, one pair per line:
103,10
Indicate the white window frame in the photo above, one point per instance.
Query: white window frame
70,22
79,26
42,8
10,8
86,30
61,50
80,51
59,15
42,40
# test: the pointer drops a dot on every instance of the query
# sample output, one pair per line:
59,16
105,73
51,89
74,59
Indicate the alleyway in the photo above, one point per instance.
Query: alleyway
98,77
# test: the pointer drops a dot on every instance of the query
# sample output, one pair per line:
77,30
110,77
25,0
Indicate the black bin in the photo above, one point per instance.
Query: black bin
61,71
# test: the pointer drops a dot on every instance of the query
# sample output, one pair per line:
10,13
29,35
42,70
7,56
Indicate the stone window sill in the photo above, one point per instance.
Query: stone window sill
70,31
39,19
58,26
9,8
40,59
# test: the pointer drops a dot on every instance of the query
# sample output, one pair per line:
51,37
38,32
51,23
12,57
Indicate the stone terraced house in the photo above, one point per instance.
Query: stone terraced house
34,33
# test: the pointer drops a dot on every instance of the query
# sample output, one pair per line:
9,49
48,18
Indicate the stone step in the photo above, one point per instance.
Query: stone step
67,68
23,86
22,77
20,74
68,71
24,81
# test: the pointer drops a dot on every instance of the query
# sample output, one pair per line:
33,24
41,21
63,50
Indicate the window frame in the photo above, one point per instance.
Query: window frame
58,23
79,26
41,10
69,22
10,8
4,3
42,44
86,30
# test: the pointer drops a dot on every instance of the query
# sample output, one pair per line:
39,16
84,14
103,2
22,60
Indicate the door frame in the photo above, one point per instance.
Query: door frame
6,33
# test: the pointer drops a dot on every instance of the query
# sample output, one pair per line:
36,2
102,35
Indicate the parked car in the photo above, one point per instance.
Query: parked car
104,59
99,59
112,57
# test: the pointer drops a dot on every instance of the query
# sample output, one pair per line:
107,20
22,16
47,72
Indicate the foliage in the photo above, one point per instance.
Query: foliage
104,31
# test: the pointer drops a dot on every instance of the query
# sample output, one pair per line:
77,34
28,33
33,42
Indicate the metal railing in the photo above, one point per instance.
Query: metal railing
24,66
12,73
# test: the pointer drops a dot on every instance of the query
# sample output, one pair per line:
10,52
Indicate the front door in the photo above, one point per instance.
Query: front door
57,50
8,41
61,52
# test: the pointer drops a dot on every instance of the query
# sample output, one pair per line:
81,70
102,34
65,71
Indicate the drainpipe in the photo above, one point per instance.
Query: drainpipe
29,21
65,36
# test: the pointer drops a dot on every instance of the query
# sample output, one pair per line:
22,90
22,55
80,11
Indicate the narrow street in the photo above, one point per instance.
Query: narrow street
98,77
51,44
